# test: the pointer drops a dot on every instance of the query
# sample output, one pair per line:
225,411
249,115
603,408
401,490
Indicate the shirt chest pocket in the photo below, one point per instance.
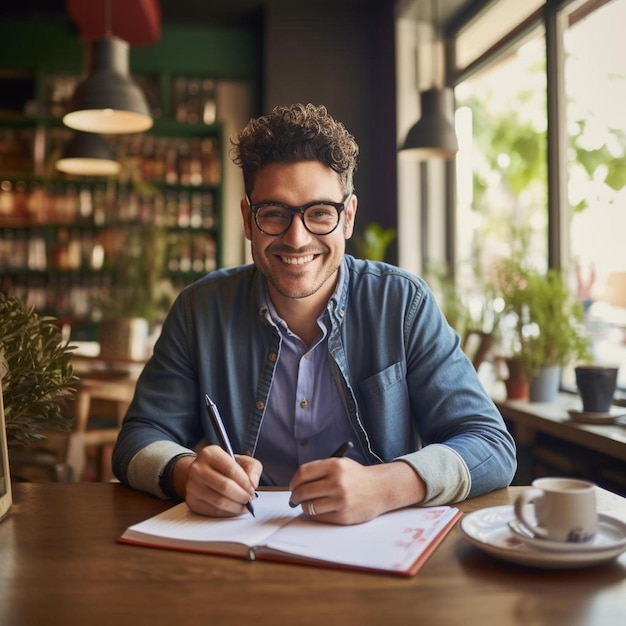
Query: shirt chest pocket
385,409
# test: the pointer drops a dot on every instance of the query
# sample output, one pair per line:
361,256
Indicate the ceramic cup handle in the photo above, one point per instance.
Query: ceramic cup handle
529,496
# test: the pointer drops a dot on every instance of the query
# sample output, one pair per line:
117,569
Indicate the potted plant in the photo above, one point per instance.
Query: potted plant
562,338
374,241
543,323
140,295
37,376
510,281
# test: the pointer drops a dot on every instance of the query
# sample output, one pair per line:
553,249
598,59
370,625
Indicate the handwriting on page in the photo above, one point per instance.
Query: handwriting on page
422,533
397,543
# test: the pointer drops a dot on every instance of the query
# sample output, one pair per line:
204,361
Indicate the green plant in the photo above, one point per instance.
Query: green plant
559,317
467,308
543,321
140,288
374,241
37,377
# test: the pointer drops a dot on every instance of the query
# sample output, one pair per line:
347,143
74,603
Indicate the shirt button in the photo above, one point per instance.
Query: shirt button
303,403
304,442
307,356
260,405
272,356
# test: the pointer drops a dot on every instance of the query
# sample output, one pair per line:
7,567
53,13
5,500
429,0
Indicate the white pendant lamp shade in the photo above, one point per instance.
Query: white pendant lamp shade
87,154
433,135
108,101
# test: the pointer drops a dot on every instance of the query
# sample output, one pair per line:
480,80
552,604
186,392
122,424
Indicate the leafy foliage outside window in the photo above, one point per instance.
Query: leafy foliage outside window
508,162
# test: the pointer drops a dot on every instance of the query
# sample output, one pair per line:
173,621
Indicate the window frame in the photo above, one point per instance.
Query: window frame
552,16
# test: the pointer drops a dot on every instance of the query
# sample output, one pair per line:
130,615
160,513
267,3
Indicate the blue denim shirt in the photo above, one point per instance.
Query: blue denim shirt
409,390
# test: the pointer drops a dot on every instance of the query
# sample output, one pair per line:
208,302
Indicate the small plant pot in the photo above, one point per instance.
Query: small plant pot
545,386
518,383
517,387
123,339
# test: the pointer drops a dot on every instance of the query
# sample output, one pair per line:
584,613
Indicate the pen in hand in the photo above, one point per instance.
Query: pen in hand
342,450
222,435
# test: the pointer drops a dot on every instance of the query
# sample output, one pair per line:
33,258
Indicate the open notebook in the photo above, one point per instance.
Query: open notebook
398,542
5,478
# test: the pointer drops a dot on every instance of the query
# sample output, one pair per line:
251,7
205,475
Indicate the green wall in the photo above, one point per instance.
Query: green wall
224,52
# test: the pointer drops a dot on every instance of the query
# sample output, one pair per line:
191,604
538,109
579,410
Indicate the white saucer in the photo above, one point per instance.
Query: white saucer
585,417
488,529
611,535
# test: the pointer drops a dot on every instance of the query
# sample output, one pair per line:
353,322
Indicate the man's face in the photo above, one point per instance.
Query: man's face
298,264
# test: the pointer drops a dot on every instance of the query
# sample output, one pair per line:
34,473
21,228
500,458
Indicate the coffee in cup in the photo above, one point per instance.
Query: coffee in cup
559,509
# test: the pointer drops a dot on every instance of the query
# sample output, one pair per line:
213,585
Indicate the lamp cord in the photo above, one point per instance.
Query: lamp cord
107,18
434,48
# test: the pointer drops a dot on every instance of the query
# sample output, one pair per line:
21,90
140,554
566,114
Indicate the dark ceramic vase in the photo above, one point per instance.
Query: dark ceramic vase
596,386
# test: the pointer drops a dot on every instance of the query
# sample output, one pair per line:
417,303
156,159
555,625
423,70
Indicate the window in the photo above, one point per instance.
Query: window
595,88
503,168
501,164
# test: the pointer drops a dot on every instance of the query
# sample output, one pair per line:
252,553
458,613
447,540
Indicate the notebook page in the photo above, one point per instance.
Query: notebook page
271,509
393,541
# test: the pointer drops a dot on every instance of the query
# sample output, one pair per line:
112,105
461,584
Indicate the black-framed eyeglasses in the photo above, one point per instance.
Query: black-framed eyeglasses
319,217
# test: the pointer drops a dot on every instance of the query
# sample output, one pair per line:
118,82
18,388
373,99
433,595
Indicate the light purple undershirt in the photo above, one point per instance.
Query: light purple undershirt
305,418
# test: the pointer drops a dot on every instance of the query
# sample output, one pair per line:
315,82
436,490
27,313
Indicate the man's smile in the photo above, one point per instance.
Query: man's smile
298,260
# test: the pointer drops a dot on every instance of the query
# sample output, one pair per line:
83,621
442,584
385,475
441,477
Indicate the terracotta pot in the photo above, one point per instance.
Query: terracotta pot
517,387
518,383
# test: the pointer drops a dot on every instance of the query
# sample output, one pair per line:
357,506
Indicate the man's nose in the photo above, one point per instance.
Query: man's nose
297,231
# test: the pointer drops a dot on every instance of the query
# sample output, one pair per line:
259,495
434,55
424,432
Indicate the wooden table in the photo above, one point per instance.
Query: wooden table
533,418
60,565
553,419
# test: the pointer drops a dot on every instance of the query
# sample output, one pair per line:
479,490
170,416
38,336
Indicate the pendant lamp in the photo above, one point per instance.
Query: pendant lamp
87,154
433,135
108,101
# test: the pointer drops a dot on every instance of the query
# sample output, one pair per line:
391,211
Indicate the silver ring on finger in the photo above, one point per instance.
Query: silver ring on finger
311,508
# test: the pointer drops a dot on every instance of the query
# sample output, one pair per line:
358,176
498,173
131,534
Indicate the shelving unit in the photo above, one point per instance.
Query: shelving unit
73,278
67,241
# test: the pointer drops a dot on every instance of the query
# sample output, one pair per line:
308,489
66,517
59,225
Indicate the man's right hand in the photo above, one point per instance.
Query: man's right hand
215,485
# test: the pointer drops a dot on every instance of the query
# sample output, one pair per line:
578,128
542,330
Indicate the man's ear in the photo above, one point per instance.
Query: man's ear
246,216
350,216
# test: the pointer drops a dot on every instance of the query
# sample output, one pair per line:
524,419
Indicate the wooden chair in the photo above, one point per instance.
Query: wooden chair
88,433
477,345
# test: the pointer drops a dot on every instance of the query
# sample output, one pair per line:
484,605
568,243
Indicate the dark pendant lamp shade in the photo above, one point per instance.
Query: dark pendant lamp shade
108,101
87,154
433,135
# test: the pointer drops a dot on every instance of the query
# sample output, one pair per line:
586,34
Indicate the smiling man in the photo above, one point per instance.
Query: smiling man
305,350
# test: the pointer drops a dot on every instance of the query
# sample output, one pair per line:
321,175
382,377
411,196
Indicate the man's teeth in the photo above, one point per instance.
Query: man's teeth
300,260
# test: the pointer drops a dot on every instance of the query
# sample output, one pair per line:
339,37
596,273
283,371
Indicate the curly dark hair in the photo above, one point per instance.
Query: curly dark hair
290,134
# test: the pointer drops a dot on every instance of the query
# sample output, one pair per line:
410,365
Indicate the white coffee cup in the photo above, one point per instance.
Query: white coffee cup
564,509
